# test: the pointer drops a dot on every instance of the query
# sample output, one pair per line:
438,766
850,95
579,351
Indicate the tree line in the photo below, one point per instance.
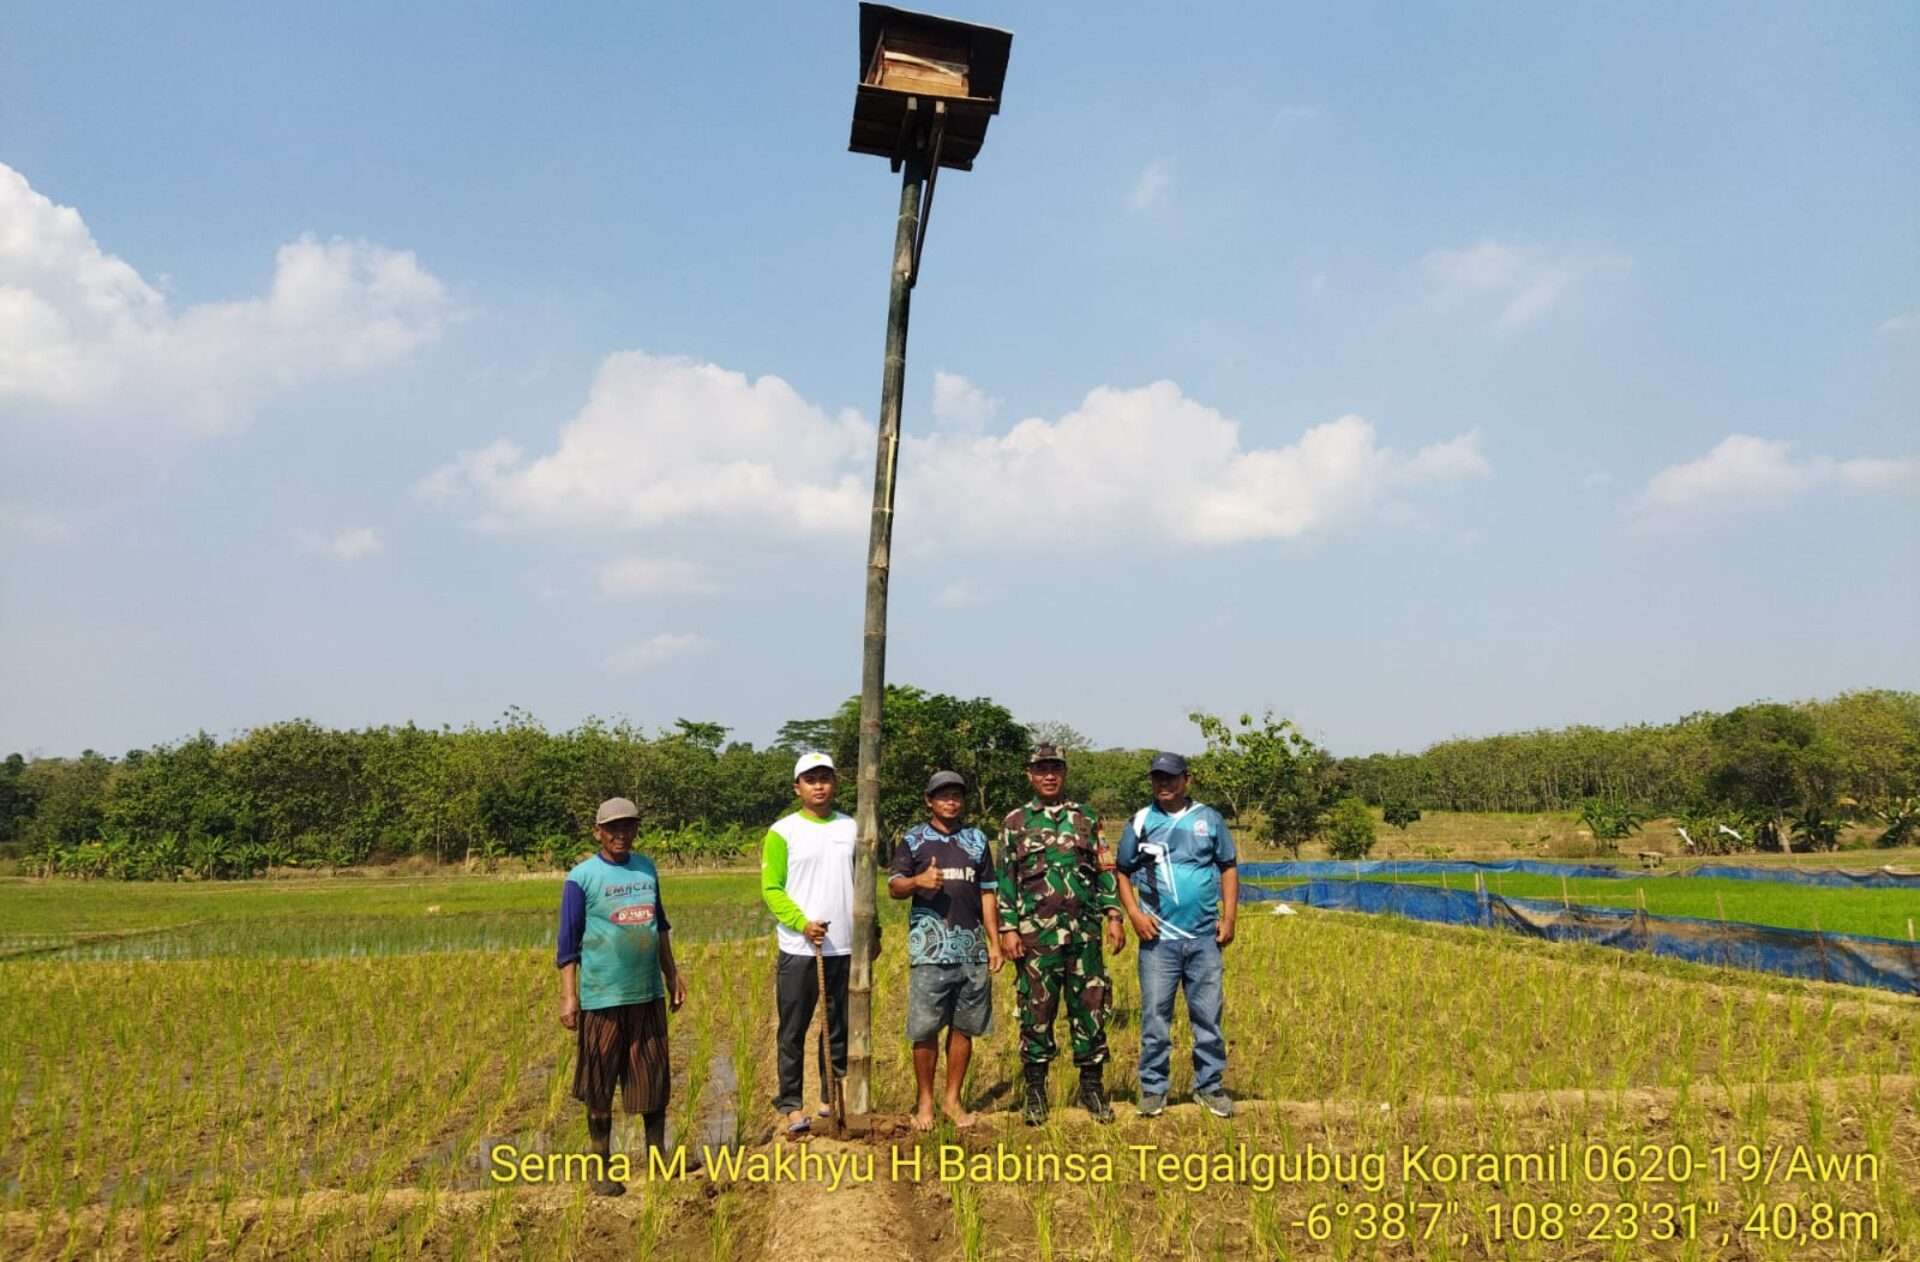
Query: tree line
1763,771
298,794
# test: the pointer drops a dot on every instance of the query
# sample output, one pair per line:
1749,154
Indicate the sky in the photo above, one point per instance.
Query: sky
1412,372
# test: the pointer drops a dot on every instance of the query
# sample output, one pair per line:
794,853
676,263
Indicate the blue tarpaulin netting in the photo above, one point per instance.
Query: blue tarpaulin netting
1855,959
1320,869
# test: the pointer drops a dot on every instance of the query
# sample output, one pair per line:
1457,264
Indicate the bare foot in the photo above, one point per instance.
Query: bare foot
923,1117
960,1118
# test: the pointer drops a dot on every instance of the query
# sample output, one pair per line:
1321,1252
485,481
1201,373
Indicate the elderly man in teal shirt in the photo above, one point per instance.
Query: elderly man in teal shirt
617,980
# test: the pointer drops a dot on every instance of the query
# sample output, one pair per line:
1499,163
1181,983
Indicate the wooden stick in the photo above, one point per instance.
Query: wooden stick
1566,900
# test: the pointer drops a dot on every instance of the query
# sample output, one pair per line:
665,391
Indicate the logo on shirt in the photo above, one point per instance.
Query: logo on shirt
1200,828
640,914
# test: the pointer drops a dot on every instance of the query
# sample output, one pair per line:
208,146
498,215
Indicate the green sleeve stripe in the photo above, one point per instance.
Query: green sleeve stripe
773,883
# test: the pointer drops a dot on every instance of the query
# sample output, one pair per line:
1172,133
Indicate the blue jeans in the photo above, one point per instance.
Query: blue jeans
1166,964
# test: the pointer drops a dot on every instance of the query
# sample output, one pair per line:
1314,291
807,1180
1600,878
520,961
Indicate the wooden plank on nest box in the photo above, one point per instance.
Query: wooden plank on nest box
909,73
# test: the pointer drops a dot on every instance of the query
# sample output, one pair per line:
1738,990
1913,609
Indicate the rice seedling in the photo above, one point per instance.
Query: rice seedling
236,1097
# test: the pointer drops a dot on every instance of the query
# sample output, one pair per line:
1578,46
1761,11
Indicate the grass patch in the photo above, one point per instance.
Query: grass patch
1881,913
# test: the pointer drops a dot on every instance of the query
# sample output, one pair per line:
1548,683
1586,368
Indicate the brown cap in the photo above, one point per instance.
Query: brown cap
1046,753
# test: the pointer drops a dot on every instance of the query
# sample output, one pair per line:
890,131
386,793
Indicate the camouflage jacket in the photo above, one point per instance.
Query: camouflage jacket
1052,891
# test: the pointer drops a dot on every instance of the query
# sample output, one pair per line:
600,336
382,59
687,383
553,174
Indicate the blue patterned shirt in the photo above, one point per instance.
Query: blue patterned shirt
946,926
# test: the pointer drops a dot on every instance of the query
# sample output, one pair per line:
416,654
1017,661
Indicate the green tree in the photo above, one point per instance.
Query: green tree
1814,829
923,732
1902,820
1270,768
180,799
1771,761
1609,821
707,736
70,796
1400,813
1112,781
800,736
1875,737
1060,734
1349,829
16,797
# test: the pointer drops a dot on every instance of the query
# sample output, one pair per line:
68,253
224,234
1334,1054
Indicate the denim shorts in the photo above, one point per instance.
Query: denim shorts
959,996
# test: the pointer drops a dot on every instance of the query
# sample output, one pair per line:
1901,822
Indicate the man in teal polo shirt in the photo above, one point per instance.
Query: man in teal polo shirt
617,980
1181,889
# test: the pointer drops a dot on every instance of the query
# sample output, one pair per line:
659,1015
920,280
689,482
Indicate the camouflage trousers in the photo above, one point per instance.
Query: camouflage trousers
1077,974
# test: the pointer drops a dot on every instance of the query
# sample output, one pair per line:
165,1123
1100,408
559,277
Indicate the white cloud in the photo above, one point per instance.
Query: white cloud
666,439
1514,284
1154,184
1875,473
1744,472
1151,463
349,544
961,593
83,335
1895,325
670,442
959,403
653,576
654,652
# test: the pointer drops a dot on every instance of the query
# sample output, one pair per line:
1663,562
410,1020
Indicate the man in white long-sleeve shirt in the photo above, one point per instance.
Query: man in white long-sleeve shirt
806,879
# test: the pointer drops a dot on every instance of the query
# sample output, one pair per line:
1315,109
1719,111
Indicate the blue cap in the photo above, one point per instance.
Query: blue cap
1172,764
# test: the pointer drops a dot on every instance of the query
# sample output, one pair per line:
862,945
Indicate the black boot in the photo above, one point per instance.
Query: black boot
1093,1095
693,1162
1034,1112
600,1131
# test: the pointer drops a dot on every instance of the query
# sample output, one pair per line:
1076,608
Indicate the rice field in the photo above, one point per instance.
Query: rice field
316,1073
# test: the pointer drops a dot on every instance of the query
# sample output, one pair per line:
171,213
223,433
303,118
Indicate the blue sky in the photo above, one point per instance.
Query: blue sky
1413,373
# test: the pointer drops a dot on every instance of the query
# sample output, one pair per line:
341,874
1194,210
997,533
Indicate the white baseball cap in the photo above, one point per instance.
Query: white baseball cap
811,760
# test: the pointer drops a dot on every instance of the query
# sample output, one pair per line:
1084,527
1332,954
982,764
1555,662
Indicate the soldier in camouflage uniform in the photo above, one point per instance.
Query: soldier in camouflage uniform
1056,892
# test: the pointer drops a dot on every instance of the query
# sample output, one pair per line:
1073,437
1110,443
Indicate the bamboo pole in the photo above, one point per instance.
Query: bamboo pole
873,661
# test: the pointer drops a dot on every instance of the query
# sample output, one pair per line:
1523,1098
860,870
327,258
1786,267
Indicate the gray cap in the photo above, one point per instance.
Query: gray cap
1171,764
945,780
614,809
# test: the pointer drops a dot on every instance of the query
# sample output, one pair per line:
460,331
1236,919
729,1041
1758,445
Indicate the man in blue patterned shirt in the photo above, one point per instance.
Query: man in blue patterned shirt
953,941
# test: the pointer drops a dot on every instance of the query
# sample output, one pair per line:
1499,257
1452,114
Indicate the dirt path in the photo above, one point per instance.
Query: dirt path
857,1221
